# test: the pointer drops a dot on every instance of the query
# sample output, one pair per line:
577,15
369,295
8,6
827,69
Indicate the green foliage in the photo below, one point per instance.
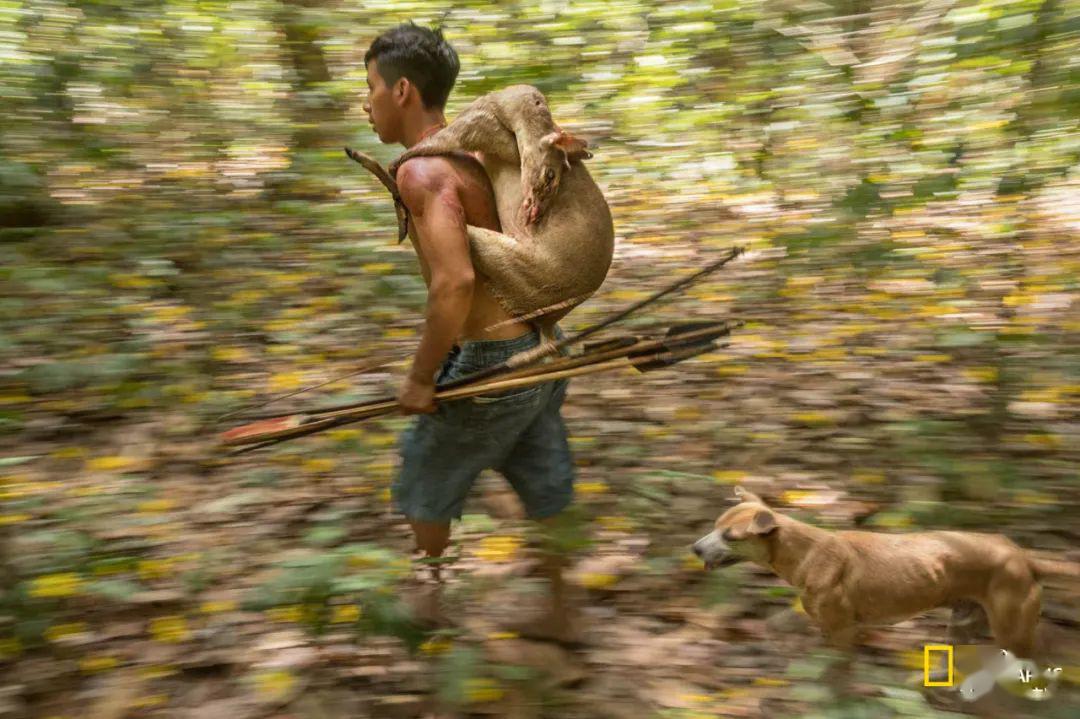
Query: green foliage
364,573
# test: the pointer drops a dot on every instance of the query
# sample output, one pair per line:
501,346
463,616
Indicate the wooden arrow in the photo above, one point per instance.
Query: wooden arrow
624,346
272,431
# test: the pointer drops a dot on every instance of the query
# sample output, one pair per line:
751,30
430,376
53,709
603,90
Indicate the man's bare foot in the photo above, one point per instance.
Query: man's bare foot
425,596
560,625
425,603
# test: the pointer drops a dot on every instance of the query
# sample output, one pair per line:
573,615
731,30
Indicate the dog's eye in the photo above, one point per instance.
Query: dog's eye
727,535
549,174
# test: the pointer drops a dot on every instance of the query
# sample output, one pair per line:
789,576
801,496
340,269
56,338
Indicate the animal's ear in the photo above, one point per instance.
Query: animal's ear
763,523
574,147
549,139
744,495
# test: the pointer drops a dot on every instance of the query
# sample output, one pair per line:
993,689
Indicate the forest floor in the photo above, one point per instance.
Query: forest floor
168,580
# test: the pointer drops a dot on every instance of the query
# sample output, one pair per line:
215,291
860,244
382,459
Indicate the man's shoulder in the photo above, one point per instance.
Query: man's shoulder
425,172
421,176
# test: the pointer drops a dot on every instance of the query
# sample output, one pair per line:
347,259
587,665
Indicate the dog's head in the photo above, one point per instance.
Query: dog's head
742,533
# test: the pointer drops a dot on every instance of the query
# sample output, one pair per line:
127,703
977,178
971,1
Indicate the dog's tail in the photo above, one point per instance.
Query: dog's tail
1053,568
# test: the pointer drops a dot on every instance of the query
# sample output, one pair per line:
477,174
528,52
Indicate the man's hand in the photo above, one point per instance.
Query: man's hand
416,396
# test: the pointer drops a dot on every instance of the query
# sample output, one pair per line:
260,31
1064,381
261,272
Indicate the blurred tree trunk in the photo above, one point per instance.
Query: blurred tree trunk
1044,83
317,118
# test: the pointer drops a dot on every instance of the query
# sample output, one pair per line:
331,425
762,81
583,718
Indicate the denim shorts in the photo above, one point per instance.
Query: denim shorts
519,433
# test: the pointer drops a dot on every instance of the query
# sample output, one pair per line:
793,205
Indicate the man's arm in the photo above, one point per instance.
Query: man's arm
429,189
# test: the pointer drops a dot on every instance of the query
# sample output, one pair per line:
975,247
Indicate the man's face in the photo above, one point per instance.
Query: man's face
383,112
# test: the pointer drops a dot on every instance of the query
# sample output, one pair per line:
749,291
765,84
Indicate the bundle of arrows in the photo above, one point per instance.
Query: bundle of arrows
535,367
679,343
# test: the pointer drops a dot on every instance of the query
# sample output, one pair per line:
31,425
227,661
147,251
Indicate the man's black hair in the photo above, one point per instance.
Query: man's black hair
420,55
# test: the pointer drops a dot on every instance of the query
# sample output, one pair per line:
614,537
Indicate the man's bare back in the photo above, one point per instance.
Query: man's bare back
477,199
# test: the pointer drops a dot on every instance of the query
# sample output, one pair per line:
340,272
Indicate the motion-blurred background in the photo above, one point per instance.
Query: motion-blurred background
181,234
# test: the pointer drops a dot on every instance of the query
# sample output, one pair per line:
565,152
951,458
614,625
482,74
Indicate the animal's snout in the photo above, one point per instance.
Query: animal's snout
712,550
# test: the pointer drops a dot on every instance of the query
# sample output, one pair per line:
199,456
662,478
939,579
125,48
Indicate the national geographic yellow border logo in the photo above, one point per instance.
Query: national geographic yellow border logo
927,650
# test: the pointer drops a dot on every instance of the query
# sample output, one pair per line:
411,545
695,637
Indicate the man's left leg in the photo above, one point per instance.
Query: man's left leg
540,468
562,622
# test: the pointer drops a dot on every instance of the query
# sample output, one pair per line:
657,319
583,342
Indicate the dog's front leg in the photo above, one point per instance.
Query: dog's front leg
837,622
840,674
968,623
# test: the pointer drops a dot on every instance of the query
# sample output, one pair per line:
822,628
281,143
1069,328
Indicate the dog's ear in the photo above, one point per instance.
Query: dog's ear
763,523
744,495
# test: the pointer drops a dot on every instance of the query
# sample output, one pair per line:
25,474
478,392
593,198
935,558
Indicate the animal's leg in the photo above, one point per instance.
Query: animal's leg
547,334
968,623
839,675
518,273
524,110
1012,604
836,616
1014,619
476,129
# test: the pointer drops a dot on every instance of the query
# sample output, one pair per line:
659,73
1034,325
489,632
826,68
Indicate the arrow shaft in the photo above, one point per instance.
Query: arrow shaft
337,419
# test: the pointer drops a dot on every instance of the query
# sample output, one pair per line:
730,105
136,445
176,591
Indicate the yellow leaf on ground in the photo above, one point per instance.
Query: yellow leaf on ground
69,453
289,613
156,505
59,631
868,477
980,374
480,689
345,613
150,569
274,684
436,645
498,548
319,465
170,629
6,519
98,663
64,584
340,435
597,581
10,647
156,671
615,523
111,464
285,381
770,682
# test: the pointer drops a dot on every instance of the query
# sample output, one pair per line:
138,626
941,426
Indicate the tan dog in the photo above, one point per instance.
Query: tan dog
854,579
